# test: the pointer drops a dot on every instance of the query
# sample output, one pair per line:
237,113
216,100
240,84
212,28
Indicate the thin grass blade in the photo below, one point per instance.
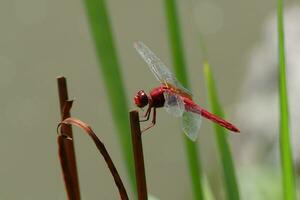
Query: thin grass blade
288,182
101,31
230,181
181,74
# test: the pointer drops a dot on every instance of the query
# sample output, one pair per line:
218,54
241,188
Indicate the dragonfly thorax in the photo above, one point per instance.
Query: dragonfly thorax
141,99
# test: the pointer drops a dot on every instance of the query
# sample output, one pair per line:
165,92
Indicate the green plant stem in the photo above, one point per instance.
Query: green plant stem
230,181
285,146
109,65
181,74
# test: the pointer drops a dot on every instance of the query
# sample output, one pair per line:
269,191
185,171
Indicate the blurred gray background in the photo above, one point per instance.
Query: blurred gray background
43,39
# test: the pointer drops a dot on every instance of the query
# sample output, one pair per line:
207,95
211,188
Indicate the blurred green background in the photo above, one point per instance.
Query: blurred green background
43,39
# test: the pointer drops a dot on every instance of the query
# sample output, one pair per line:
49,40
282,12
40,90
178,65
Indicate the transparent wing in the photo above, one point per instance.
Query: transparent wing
158,68
191,123
174,104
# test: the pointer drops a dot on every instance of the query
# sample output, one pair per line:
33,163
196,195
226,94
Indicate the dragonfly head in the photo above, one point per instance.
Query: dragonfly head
141,99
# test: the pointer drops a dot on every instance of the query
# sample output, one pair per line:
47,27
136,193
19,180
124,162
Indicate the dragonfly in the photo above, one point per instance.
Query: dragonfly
172,96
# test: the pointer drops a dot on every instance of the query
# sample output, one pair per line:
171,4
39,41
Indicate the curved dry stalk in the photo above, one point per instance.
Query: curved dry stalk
88,130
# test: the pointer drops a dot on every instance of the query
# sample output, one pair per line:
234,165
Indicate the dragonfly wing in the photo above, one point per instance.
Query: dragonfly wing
191,123
158,68
173,104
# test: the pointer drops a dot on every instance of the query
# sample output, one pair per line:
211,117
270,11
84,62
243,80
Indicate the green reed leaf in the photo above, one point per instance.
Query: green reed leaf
288,181
110,70
181,74
230,181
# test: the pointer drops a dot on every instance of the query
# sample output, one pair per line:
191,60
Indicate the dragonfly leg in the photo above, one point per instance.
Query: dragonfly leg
147,114
153,121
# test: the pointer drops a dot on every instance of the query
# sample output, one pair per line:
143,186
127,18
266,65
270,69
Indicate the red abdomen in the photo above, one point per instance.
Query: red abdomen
193,107
219,121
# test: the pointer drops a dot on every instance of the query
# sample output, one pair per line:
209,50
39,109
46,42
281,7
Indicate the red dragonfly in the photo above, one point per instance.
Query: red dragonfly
171,95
